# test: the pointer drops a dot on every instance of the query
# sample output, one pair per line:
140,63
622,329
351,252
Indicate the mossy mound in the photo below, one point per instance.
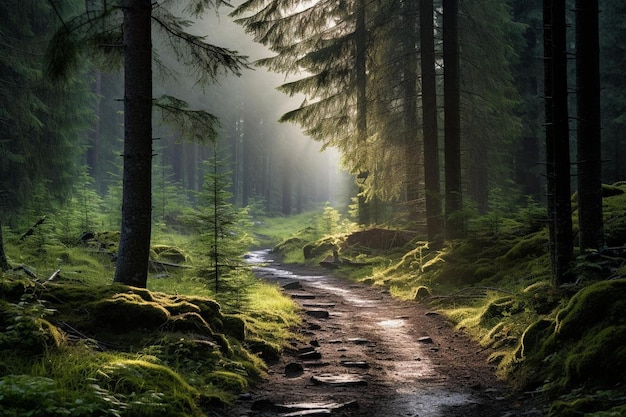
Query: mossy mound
122,313
583,348
169,254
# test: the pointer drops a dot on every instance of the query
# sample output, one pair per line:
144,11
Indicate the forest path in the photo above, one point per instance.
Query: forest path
365,353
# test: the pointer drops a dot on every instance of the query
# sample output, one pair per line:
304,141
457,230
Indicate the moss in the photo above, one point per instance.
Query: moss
422,292
598,358
127,312
234,326
267,351
181,307
169,254
152,388
534,245
229,381
578,407
602,302
189,323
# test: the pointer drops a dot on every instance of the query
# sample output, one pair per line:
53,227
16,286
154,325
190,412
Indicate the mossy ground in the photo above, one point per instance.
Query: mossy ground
566,344
79,345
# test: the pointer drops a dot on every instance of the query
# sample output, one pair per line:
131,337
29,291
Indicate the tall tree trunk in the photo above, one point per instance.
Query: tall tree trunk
452,122
590,222
4,264
562,209
287,185
361,102
134,247
414,150
429,115
93,152
547,72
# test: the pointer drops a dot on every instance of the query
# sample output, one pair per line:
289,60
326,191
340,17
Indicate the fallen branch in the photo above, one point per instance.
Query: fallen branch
32,229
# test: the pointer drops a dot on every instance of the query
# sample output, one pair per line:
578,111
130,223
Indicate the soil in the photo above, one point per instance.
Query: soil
362,352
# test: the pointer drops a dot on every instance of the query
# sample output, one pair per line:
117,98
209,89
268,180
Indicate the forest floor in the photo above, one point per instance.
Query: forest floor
361,352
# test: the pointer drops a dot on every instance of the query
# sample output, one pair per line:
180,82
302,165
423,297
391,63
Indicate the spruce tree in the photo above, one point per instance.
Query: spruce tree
204,61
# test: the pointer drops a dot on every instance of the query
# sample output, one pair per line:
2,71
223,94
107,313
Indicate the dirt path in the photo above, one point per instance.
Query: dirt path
364,353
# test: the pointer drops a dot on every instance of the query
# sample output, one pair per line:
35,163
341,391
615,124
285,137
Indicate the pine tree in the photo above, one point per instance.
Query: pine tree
452,121
590,221
221,225
429,117
42,123
206,62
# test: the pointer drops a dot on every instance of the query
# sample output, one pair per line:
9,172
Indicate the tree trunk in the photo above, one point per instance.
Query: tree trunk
4,264
134,247
429,115
414,149
590,220
547,72
452,122
361,101
559,144
287,185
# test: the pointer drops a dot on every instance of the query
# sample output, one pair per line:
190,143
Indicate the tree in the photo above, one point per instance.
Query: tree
590,221
557,138
452,121
4,264
205,61
429,116
42,124
134,247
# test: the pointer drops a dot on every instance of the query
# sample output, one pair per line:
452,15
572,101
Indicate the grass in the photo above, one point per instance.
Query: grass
161,372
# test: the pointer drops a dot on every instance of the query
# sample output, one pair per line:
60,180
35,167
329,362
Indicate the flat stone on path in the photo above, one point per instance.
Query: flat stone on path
355,364
425,340
320,314
293,285
312,355
342,380
303,296
358,340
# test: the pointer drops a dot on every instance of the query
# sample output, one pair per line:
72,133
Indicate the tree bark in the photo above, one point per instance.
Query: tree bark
559,145
134,247
413,143
590,222
4,264
452,122
361,101
429,115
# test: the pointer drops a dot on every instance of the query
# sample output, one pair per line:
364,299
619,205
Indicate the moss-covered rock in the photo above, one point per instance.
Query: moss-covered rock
126,312
169,254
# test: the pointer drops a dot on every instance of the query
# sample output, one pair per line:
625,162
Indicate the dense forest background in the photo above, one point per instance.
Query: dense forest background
61,141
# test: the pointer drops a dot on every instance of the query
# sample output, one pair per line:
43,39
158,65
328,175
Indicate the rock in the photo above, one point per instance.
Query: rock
425,340
310,355
358,341
303,296
342,380
293,369
355,364
293,285
320,314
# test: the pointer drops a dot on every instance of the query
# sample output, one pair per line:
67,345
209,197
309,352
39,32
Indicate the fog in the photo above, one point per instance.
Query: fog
250,105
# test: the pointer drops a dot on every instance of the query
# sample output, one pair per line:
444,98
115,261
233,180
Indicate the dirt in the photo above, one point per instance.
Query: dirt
362,352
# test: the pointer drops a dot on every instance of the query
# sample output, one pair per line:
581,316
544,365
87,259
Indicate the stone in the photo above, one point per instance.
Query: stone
310,355
294,369
355,364
293,285
342,380
320,314
426,340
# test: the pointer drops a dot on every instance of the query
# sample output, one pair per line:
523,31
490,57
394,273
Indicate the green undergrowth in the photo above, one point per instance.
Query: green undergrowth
566,345
72,343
